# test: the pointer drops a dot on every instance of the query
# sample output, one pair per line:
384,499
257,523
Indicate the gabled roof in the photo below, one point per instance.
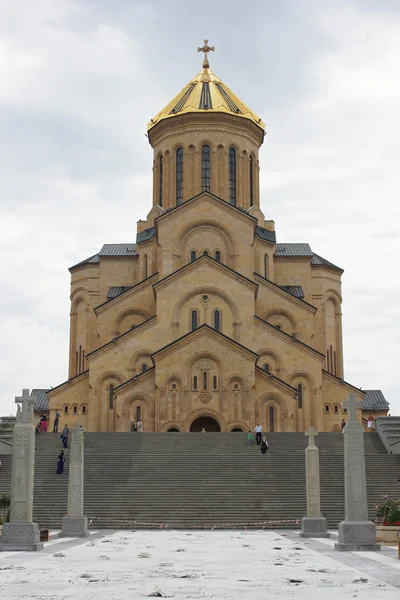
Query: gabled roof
319,261
91,260
266,234
375,400
42,401
293,250
128,249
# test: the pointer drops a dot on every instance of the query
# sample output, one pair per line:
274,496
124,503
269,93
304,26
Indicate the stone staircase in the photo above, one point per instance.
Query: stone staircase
195,480
388,429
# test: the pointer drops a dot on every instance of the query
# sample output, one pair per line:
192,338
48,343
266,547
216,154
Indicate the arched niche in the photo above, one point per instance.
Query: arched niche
204,412
282,319
270,357
130,411
129,319
205,234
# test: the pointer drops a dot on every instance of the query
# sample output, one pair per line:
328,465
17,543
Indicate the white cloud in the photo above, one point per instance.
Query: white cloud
78,83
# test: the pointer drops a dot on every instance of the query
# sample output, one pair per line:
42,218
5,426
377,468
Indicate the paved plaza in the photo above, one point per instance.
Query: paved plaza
198,564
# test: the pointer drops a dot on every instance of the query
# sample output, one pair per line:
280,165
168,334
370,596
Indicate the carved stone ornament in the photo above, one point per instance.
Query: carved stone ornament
205,397
205,364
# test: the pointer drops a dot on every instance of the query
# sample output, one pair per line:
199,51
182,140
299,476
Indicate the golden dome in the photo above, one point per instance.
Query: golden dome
206,93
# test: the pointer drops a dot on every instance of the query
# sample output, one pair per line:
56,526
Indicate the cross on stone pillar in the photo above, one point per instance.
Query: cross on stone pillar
311,433
27,401
206,49
352,404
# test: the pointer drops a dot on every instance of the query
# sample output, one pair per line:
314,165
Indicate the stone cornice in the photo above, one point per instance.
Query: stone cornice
134,289
115,341
276,381
71,381
289,339
284,294
338,380
139,378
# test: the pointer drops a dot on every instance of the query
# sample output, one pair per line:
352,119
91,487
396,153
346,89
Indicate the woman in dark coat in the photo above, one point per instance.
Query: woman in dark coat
60,463
264,446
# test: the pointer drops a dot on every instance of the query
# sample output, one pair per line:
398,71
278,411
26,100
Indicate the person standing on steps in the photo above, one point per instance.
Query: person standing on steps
250,439
264,446
64,436
258,429
342,425
60,463
56,420
133,425
139,426
370,422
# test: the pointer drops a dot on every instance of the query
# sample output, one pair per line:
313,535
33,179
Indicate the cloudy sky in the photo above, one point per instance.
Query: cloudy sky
79,80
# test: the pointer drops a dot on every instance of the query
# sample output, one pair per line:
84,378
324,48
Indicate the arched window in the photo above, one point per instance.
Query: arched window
205,380
267,368
195,382
192,256
235,386
232,176
217,320
251,190
66,409
111,396
75,410
138,413
84,410
144,368
336,408
215,382
194,320
327,409
271,418
145,266
205,168
160,180
218,256
179,176
173,386
205,253
300,396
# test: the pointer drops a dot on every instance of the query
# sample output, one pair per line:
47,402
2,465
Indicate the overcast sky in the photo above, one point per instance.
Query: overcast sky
80,79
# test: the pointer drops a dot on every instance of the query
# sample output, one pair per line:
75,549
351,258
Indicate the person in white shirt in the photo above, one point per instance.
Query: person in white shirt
258,429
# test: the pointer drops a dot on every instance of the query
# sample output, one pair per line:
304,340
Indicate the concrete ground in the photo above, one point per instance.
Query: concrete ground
198,564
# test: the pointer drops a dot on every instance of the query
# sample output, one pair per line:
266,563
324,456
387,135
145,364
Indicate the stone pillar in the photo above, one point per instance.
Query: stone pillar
314,524
355,532
21,533
74,524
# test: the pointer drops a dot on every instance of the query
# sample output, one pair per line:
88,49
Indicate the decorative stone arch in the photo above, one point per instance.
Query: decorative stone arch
237,378
171,425
204,412
264,354
108,375
206,290
331,294
104,417
171,378
144,354
239,424
279,404
193,228
78,295
125,313
284,313
304,419
137,399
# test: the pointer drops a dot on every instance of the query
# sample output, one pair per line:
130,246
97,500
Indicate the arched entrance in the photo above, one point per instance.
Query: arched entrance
236,430
173,430
207,423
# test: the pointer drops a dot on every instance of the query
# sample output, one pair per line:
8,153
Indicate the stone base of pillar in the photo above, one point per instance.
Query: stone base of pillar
74,527
357,536
23,537
314,527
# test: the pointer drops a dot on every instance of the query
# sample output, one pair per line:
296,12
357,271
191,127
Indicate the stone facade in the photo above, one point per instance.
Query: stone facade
206,317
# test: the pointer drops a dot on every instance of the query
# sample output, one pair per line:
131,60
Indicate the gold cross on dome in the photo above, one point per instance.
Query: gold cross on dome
206,49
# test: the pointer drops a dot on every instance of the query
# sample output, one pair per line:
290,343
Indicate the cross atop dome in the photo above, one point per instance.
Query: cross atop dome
206,49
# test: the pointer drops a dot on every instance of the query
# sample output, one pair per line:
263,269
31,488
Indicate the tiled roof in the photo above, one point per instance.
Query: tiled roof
118,250
293,250
42,401
374,400
146,235
266,234
295,290
117,290
318,260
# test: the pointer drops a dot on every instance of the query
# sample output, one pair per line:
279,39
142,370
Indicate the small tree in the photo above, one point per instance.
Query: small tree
5,502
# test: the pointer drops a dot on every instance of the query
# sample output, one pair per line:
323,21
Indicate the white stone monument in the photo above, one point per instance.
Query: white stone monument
74,524
314,524
21,533
356,532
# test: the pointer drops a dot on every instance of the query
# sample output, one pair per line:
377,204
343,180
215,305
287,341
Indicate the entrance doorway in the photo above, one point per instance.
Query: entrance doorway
207,423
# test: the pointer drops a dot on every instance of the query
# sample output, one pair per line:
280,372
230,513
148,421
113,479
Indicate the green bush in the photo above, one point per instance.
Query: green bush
389,510
5,502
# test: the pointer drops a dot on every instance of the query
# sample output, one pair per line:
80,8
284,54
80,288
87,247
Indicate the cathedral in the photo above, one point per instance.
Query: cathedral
207,321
